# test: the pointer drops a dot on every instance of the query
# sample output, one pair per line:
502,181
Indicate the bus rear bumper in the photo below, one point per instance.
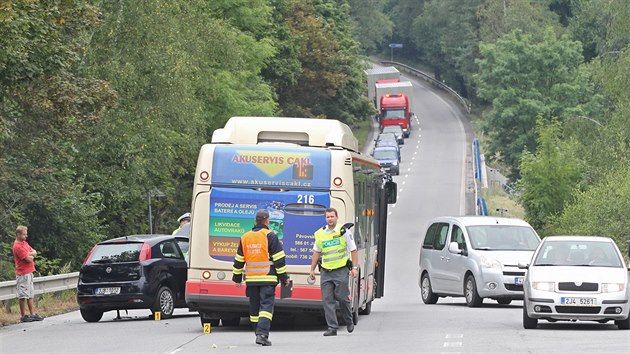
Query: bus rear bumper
222,297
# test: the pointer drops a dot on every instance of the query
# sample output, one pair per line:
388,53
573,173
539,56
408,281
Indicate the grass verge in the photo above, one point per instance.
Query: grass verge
46,305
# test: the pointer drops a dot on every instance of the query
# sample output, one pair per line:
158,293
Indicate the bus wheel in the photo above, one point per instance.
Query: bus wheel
367,310
231,321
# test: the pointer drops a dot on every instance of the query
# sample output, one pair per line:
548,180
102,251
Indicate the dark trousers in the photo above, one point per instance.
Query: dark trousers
261,299
334,285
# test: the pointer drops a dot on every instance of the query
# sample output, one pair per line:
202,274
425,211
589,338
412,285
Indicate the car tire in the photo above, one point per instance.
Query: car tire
528,322
428,297
623,324
470,292
504,301
91,315
164,302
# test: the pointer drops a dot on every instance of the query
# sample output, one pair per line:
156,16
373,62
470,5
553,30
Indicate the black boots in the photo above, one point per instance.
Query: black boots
330,332
263,340
350,327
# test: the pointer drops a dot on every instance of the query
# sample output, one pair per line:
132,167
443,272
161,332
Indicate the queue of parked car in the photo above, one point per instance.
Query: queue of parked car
387,148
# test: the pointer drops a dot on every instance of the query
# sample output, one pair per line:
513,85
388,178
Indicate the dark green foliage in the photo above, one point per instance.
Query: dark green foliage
102,107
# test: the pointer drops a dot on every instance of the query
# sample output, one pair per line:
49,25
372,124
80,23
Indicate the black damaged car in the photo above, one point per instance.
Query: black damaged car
134,272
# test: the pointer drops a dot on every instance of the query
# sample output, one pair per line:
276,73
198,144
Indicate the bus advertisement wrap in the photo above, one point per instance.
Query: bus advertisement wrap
271,167
232,213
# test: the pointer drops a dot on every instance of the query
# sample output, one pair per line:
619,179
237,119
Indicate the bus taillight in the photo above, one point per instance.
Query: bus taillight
206,274
337,181
204,175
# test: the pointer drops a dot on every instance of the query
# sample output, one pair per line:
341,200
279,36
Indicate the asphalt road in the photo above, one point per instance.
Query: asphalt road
434,181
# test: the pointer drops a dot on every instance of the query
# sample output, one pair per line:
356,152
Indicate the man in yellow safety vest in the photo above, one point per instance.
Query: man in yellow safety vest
332,244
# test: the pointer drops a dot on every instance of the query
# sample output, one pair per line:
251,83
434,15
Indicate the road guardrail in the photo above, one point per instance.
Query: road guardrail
42,285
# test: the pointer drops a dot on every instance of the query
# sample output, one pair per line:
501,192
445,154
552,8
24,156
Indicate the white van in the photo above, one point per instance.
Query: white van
476,257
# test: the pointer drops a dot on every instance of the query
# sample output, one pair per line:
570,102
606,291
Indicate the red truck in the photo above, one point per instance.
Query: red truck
394,105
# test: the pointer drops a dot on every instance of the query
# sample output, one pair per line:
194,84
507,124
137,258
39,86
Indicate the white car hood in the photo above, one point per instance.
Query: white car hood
509,258
576,273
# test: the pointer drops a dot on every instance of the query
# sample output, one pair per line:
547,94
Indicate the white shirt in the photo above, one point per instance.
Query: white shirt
350,245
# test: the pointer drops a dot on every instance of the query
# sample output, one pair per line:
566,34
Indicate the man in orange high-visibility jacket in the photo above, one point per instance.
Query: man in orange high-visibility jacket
261,258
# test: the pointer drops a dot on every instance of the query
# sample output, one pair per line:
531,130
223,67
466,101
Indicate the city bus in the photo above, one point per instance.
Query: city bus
295,168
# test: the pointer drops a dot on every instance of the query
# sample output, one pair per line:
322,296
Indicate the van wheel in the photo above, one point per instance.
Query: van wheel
164,302
528,322
428,297
367,310
92,315
470,293
623,324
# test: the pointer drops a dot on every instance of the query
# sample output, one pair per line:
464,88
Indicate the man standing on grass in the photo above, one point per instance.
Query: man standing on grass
24,257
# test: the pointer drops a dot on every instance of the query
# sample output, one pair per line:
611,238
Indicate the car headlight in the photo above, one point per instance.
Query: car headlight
395,163
543,285
613,287
487,262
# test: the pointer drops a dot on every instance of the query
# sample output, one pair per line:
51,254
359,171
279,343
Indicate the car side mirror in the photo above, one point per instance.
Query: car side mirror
523,265
453,247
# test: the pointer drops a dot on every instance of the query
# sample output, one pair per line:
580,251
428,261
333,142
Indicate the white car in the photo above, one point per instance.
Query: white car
576,278
475,257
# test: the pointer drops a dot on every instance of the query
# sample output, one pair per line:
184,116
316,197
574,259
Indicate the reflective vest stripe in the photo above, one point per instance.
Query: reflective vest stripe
257,269
261,278
281,270
237,270
253,319
258,264
333,248
277,256
266,314
239,258
340,256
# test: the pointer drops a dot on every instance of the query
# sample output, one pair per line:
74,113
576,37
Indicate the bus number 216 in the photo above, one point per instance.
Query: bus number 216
306,198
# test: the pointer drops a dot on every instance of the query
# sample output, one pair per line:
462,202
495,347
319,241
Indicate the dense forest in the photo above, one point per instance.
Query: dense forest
104,105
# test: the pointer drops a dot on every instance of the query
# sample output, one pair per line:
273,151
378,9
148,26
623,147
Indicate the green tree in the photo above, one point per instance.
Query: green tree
370,25
599,211
549,176
47,109
447,34
330,81
500,17
522,79
181,73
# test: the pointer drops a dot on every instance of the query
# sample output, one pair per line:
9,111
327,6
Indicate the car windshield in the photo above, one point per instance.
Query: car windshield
393,113
578,253
385,154
116,253
502,238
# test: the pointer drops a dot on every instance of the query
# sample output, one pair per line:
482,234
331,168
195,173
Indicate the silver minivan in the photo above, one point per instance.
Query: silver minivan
475,257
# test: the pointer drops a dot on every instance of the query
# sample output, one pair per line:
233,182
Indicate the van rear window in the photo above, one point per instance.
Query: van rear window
116,253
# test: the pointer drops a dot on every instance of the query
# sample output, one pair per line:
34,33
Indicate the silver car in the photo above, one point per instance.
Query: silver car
576,278
476,257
